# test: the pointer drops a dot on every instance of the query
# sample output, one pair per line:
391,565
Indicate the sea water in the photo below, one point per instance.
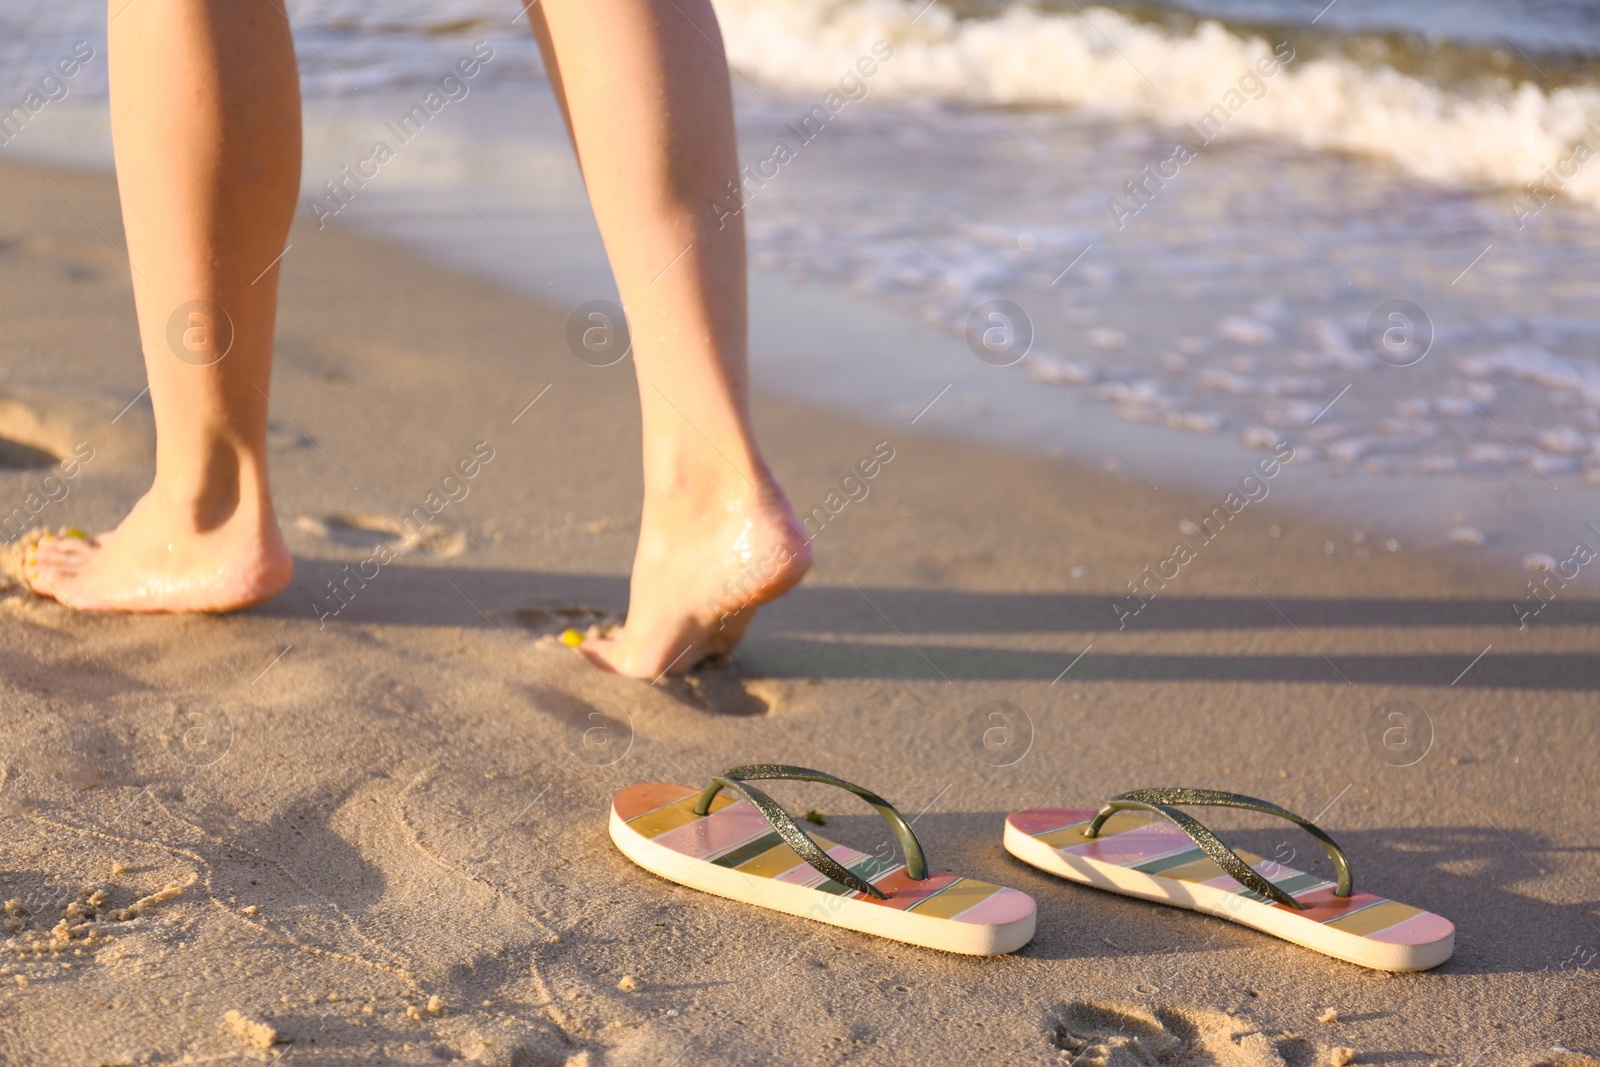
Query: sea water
1159,237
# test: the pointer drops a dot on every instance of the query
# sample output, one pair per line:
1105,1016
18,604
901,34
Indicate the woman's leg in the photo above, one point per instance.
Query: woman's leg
645,87
205,115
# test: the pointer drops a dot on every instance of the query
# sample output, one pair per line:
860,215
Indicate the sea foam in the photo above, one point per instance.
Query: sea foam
1103,61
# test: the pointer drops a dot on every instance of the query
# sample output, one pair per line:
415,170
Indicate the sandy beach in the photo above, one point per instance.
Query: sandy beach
366,821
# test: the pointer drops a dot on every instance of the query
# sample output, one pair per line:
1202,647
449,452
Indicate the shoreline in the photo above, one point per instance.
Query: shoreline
521,220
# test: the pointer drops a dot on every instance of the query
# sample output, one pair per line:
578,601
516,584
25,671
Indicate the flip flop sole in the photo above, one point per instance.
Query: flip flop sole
733,852
1157,861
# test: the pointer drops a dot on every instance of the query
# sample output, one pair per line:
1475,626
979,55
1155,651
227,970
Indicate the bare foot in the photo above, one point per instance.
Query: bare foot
705,562
154,562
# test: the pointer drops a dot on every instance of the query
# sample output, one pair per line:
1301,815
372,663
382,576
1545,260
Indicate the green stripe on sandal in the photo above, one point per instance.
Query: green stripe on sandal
1139,844
746,847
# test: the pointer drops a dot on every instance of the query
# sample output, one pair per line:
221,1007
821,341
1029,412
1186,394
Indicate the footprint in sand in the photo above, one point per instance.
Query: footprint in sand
25,442
1114,1034
555,618
721,688
358,531
17,455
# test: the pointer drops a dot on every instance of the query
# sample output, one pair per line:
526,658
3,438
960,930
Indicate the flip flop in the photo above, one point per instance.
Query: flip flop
749,849
1180,862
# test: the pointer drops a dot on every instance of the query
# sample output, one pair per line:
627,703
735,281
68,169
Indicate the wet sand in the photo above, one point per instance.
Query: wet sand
371,828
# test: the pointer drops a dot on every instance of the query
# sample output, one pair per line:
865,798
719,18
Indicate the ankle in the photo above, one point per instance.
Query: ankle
694,474
205,505
209,480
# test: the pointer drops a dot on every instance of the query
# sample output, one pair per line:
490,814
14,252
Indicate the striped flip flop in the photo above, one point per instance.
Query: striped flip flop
747,848
1180,862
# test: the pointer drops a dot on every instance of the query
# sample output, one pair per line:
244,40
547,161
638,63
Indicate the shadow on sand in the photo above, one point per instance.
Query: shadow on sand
786,641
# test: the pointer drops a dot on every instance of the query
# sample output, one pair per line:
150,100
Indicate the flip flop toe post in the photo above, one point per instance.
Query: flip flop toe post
1139,844
733,840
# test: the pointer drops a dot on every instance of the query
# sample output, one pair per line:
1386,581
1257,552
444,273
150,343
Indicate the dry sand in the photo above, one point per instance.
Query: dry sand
379,837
